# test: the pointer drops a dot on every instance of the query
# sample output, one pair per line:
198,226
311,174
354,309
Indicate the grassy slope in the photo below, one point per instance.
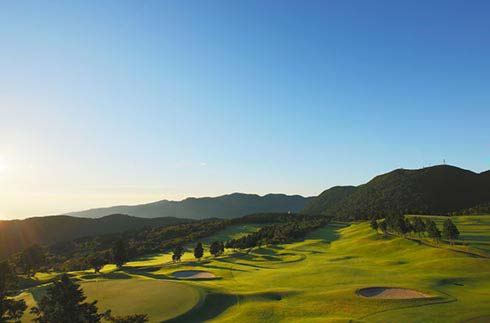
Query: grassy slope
475,231
316,280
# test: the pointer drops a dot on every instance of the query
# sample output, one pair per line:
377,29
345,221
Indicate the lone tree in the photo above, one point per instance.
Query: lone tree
10,310
215,248
374,225
134,318
198,251
64,303
97,262
119,253
32,259
450,231
178,252
433,231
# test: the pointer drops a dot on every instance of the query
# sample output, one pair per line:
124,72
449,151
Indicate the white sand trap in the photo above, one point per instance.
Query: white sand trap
391,293
193,274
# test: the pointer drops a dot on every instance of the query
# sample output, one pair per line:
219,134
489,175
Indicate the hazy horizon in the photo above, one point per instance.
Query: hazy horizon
127,103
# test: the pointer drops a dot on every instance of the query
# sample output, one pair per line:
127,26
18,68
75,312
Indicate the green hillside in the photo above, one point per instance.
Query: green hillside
16,235
314,280
433,190
328,199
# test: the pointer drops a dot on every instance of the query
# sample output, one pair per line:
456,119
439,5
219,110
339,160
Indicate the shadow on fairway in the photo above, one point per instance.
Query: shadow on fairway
213,305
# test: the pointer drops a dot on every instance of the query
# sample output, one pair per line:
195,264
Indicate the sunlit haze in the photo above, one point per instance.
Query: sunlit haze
129,102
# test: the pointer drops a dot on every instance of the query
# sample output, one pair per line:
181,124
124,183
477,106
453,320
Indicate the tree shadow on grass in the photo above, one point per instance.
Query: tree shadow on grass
214,304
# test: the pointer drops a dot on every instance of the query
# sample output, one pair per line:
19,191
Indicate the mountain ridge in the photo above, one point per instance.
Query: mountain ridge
441,189
223,206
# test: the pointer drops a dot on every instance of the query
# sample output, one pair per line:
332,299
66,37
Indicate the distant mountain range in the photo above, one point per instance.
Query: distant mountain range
16,235
434,190
227,206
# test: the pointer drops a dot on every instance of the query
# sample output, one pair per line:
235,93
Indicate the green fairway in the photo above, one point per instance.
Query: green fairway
474,229
314,280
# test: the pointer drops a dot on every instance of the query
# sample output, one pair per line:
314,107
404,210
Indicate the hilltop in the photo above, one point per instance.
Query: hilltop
439,189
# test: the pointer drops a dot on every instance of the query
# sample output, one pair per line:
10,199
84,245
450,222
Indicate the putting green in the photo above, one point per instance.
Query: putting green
161,300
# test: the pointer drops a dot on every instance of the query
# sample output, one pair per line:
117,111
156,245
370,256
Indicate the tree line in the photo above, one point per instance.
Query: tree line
402,226
279,233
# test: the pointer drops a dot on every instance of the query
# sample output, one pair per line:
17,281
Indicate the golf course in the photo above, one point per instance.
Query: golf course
343,272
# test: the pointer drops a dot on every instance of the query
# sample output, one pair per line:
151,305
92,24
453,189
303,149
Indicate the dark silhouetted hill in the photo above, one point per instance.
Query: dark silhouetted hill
434,190
16,235
227,206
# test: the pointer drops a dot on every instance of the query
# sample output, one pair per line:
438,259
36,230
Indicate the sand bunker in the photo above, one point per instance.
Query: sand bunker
193,274
391,293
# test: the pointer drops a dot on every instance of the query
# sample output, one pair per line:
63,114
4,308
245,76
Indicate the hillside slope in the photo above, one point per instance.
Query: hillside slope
327,199
226,206
434,190
16,235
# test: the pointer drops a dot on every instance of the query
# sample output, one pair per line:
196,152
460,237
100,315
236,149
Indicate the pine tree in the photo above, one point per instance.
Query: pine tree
119,253
198,251
178,252
450,231
64,302
433,231
215,248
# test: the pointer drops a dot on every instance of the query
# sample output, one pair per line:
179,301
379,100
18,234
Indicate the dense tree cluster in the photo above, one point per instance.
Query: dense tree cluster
400,225
10,310
450,231
279,233
95,252
482,209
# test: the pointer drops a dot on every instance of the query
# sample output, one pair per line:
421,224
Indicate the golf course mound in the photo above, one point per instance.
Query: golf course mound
391,293
193,274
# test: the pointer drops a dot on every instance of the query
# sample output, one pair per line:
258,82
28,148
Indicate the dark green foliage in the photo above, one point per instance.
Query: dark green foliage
433,190
328,199
450,231
135,318
397,223
64,302
10,309
481,209
226,206
32,259
418,225
383,226
74,255
374,225
17,235
97,261
178,253
120,253
279,233
198,251
216,249
270,218
432,230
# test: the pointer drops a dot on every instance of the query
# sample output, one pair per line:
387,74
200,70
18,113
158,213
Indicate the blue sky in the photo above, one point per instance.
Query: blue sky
124,102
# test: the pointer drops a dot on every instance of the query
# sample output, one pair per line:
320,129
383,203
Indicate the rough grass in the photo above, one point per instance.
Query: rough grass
314,280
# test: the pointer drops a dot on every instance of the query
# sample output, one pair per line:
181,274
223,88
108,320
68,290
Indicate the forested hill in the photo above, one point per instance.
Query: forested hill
16,235
433,190
227,206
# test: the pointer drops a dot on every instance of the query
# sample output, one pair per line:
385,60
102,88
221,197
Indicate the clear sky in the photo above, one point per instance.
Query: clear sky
124,102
